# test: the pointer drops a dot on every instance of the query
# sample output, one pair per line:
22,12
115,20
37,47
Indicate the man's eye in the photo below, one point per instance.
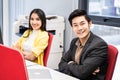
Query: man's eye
82,23
75,25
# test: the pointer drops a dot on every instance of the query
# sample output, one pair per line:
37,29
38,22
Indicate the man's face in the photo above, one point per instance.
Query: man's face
80,26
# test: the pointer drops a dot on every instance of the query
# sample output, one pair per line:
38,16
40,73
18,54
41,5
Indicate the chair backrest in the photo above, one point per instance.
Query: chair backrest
12,64
112,56
47,50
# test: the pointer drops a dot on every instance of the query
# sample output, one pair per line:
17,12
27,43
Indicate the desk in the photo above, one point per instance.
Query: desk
54,74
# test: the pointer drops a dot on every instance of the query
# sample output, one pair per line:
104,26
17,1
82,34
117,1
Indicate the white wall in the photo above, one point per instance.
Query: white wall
1,14
5,23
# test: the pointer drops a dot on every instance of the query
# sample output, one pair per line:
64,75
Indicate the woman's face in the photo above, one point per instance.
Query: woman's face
35,21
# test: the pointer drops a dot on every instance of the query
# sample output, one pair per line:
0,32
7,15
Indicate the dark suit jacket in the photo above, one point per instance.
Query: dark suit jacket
93,55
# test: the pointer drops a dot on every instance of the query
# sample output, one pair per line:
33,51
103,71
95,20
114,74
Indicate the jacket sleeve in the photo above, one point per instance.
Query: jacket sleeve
63,65
95,57
21,40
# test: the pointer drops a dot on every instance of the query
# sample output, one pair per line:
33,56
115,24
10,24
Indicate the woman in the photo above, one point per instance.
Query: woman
34,40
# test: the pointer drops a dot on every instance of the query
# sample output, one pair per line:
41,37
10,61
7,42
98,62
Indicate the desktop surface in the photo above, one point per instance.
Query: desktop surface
39,74
45,73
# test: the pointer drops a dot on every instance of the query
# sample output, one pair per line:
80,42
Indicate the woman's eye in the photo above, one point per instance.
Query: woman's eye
31,19
37,19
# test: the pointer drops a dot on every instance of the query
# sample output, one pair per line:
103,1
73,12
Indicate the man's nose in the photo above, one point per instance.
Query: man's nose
79,27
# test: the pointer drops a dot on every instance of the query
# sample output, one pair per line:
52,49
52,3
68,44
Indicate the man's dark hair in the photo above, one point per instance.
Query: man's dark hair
77,13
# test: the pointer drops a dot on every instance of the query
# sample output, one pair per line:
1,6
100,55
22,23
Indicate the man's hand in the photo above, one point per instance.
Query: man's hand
96,71
71,62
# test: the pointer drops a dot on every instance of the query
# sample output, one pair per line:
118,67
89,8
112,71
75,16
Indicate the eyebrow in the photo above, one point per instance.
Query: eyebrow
80,22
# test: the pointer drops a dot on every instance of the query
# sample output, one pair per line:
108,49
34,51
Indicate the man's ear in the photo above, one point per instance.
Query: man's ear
90,23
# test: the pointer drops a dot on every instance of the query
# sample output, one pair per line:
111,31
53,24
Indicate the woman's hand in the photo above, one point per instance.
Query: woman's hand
30,57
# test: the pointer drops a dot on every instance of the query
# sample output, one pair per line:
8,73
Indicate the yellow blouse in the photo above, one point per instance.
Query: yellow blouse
40,43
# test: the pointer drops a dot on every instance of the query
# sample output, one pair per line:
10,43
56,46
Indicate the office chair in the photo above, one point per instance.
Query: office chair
47,50
12,64
112,56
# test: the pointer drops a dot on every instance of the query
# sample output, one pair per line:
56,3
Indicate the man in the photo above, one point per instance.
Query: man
87,57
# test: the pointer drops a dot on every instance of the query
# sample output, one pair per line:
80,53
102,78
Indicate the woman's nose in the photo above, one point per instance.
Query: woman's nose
34,21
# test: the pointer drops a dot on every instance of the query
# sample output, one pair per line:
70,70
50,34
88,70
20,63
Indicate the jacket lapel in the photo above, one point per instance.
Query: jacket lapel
86,47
